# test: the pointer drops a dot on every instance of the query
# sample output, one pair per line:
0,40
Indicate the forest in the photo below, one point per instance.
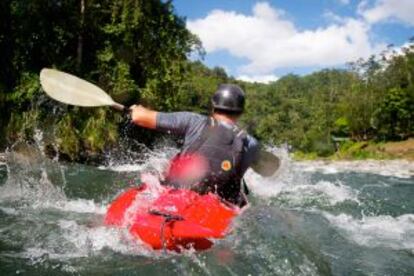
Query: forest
141,52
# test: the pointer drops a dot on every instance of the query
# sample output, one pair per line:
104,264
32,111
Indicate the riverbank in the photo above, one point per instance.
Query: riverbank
365,150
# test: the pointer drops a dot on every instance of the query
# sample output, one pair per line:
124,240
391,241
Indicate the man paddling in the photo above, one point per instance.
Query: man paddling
216,152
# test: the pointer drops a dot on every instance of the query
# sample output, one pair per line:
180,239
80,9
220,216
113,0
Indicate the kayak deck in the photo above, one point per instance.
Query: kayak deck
174,220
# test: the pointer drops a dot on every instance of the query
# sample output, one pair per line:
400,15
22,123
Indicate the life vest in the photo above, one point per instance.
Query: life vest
221,148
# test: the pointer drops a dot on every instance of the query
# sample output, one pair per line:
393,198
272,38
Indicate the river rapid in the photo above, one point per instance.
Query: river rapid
311,218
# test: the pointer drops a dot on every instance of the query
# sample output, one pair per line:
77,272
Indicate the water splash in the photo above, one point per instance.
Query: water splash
51,226
149,160
378,231
143,200
294,188
70,240
32,178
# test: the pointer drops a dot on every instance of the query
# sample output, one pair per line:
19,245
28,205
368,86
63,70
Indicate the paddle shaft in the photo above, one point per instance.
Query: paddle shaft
120,107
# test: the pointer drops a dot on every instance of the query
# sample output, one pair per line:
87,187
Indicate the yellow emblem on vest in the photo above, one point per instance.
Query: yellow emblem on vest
226,165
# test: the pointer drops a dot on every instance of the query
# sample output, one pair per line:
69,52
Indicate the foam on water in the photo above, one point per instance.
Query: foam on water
49,197
36,187
93,239
284,176
9,211
397,168
35,183
289,182
79,231
123,167
298,193
78,206
72,240
323,190
292,185
379,231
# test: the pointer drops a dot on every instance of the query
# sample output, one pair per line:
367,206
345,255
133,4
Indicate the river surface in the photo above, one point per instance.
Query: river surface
311,218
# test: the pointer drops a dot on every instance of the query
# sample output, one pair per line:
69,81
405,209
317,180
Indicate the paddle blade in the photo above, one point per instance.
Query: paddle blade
72,90
267,164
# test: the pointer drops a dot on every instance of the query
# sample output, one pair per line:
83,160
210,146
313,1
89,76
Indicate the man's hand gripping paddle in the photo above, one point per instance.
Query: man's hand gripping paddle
69,89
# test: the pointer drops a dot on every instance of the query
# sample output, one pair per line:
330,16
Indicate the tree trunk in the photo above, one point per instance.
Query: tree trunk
80,36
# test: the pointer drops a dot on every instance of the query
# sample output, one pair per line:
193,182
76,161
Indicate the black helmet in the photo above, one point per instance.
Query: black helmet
229,97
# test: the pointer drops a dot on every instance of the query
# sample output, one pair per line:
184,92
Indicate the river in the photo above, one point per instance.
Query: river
311,218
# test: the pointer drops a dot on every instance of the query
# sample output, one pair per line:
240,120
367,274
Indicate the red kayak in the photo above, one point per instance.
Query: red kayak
172,219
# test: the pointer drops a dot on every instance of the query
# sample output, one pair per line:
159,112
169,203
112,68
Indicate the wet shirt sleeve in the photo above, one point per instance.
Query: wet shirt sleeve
176,123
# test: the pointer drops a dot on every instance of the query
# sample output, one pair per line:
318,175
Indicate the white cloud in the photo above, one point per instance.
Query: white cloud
333,17
388,9
269,41
344,2
259,78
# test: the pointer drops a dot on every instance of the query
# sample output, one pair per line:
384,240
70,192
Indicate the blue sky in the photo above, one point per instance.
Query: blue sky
264,40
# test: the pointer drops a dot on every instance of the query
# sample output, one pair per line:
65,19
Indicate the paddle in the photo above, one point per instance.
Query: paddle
267,164
69,89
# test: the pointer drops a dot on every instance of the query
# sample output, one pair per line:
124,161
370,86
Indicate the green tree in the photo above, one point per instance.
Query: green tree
395,114
135,50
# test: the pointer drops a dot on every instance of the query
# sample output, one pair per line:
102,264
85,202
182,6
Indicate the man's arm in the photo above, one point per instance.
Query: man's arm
144,117
175,123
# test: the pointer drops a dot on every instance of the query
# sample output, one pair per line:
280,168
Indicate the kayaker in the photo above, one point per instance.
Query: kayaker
216,151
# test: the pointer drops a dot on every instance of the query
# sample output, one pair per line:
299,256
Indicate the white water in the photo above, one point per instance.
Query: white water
37,187
286,181
292,185
289,184
377,231
151,160
158,159
72,240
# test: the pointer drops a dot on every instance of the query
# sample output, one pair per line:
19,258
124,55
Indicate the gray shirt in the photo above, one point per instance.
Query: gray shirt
189,126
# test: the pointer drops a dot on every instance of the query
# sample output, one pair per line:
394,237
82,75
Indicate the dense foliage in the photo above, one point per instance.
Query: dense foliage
139,51
371,100
136,50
